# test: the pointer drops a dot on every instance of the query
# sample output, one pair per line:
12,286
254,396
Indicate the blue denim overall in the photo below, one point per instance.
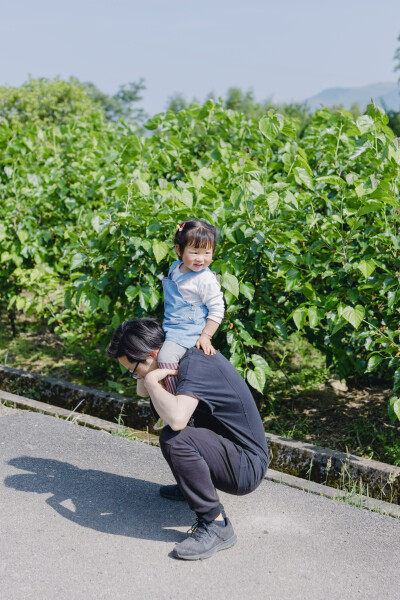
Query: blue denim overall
183,322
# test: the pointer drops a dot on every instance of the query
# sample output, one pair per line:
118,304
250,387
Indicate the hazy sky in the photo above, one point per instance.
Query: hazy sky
290,49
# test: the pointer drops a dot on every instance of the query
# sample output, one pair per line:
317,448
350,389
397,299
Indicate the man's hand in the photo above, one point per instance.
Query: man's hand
158,375
204,342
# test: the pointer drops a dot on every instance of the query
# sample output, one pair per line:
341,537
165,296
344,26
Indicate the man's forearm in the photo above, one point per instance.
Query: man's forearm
165,403
174,410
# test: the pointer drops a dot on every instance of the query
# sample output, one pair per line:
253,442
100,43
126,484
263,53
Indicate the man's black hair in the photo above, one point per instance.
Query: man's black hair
136,339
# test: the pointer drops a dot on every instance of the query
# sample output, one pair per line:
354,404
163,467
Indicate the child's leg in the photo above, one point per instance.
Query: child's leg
168,358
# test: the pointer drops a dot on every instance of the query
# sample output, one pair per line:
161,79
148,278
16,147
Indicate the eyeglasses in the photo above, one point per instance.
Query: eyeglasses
132,373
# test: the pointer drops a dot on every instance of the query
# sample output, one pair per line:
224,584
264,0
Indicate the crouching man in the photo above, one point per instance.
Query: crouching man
214,438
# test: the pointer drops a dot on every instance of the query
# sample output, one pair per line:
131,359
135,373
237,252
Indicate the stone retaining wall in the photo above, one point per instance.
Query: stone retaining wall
335,468
136,413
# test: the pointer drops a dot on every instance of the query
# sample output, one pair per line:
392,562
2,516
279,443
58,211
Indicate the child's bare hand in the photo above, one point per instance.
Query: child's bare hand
204,342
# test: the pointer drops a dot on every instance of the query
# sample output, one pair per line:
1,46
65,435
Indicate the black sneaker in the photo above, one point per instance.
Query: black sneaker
173,492
205,539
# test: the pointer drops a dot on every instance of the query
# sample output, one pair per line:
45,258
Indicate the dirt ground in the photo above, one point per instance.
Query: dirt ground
353,419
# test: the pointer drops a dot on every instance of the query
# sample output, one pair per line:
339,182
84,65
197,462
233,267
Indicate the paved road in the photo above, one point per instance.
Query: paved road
81,518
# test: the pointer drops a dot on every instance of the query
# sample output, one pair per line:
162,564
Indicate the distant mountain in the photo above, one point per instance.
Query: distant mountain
384,94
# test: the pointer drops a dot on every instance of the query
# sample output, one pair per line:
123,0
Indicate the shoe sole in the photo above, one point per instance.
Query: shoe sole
222,546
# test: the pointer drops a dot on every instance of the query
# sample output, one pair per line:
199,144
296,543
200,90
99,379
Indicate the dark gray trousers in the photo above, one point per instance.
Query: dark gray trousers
201,461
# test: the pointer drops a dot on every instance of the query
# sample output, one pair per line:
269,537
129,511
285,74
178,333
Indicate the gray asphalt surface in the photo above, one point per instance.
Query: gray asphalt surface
81,518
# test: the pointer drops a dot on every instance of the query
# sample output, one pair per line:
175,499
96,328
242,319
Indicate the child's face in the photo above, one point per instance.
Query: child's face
195,259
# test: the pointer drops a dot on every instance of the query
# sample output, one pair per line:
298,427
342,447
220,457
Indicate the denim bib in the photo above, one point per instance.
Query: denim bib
183,322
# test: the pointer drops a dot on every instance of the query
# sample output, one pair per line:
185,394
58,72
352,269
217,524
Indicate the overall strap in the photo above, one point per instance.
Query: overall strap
189,274
172,267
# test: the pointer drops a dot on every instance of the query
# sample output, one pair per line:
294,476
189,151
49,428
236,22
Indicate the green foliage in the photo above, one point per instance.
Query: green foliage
123,104
245,103
397,57
46,102
176,103
309,226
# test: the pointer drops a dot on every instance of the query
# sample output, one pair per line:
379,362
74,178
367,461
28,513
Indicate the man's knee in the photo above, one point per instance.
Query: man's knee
171,437
171,441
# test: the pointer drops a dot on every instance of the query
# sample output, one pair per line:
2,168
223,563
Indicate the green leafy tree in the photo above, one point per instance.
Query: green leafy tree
397,57
309,227
122,104
55,153
176,102
47,102
244,102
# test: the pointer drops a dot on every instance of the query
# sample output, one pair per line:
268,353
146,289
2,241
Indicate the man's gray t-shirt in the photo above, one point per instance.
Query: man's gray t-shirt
226,406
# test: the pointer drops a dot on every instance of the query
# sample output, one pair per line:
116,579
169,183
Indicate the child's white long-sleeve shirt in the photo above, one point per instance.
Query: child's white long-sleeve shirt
203,289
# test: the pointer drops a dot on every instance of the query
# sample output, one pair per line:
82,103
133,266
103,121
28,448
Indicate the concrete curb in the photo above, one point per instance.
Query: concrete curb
79,418
385,508
308,486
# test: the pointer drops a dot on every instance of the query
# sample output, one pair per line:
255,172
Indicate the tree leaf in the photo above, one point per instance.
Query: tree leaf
373,362
280,328
364,123
369,206
256,188
160,250
261,363
396,380
247,338
315,314
144,296
90,299
236,360
247,289
367,267
256,379
289,129
332,179
78,260
270,126
303,177
104,303
236,197
354,316
131,292
299,317
273,201
143,187
230,283
20,302
96,223
394,408
187,198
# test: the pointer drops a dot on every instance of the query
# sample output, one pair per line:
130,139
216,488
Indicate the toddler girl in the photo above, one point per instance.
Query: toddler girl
193,300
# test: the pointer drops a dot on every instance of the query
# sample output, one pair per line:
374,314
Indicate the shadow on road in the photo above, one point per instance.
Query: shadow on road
102,501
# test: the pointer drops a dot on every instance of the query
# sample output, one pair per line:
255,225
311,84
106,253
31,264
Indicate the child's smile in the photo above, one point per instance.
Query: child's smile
196,259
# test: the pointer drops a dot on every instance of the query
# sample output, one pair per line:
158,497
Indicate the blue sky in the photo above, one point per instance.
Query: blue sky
289,49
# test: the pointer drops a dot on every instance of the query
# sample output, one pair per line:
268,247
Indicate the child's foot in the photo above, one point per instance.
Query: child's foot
159,425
